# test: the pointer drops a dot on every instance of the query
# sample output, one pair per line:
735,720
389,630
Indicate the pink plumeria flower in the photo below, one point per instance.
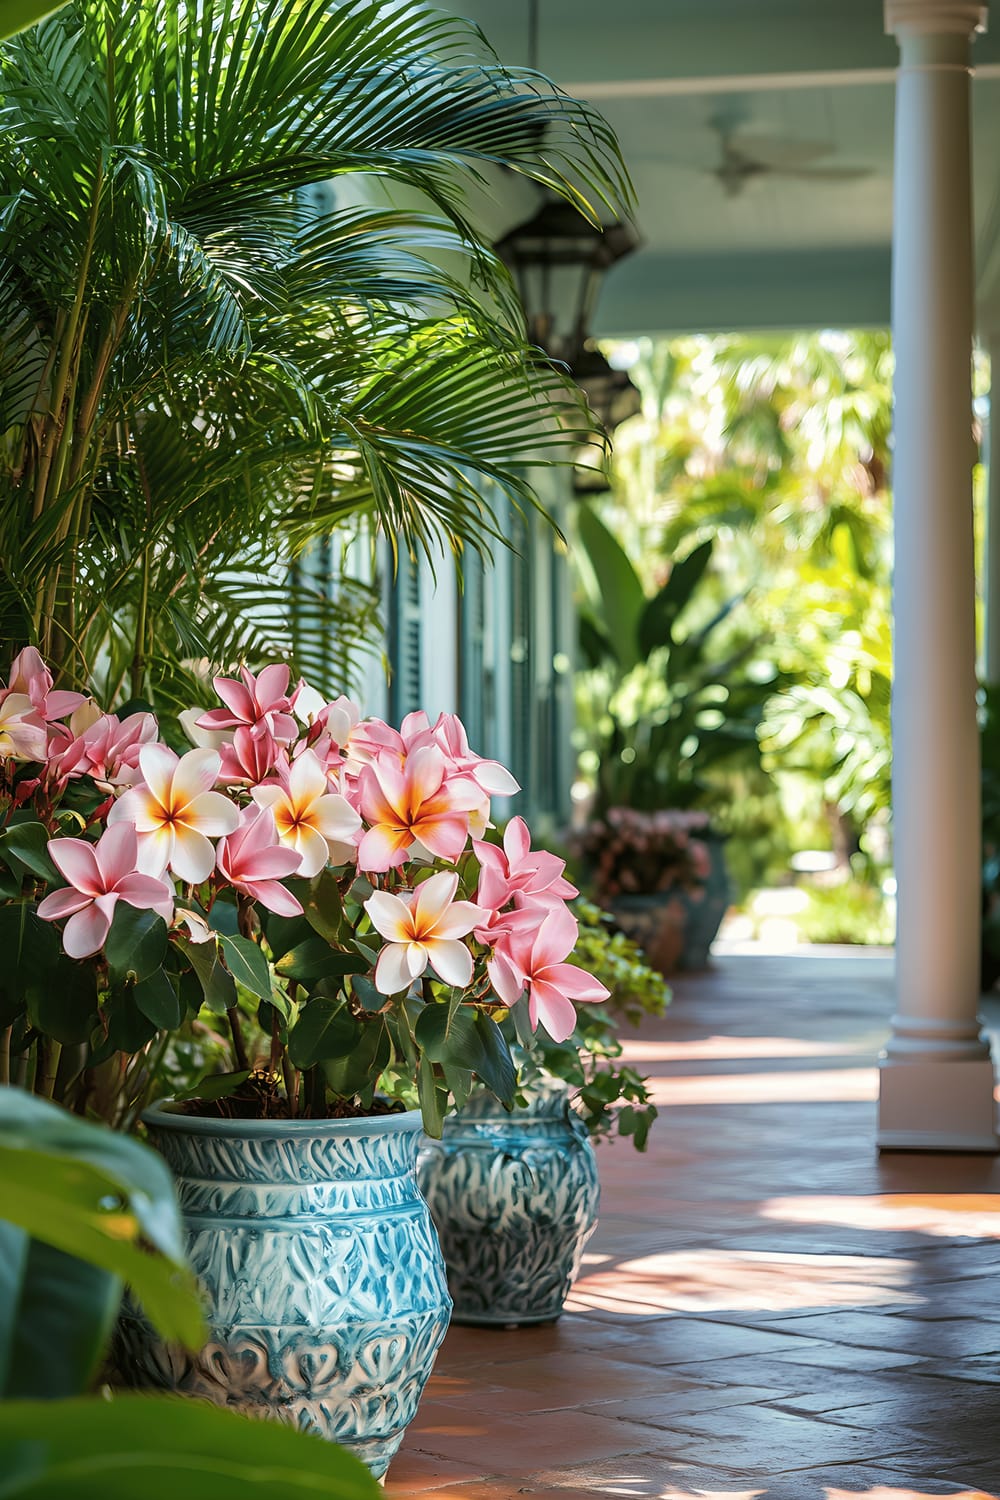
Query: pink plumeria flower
517,871
252,860
332,728
495,779
536,960
100,875
176,813
107,749
260,702
320,825
423,928
413,803
22,729
251,756
30,675
499,927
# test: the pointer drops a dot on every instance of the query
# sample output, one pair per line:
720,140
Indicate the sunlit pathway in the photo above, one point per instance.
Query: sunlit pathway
766,1308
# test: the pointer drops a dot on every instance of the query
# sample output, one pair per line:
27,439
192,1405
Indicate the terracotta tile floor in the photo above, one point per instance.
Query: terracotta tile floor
767,1308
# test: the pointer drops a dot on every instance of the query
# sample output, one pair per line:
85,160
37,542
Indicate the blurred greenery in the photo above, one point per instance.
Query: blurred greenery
762,460
854,912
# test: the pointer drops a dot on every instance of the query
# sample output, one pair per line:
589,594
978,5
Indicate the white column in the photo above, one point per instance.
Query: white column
991,541
937,1075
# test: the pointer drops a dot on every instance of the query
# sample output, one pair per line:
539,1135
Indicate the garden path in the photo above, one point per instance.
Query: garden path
767,1307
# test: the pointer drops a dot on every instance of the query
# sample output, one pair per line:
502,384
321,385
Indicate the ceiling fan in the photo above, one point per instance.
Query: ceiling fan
744,158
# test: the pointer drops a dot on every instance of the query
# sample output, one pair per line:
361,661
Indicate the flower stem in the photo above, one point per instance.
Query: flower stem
48,1064
239,1046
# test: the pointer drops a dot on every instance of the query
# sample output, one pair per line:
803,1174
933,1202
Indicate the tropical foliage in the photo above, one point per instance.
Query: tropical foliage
774,452
676,686
201,370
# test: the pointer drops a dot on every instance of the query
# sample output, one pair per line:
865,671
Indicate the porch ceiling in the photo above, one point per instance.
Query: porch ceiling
781,75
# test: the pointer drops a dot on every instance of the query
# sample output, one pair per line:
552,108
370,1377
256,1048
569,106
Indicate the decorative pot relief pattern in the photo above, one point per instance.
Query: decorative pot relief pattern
514,1198
324,1282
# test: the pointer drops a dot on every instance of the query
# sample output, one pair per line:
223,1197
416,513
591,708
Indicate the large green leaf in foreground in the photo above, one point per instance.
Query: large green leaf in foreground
81,1200
18,15
161,1447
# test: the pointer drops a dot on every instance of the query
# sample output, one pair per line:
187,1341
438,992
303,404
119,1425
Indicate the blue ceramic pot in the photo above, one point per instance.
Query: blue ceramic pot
324,1282
514,1197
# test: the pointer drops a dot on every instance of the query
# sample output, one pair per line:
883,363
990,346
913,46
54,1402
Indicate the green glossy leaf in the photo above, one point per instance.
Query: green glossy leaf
315,959
285,933
128,1028
136,943
364,990
60,994
159,1002
217,985
358,1072
215,1086
621,593
432,1098
656,622
325,1029
99,1196
447,1033
28,842
18,15
495,1066
462,1036
324,908
57,1316
160,1448
247,965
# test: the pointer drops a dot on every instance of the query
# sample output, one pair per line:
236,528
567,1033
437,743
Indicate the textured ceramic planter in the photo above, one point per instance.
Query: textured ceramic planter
324,1282
514,1197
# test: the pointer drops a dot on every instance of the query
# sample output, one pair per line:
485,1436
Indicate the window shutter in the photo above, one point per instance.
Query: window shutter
404,641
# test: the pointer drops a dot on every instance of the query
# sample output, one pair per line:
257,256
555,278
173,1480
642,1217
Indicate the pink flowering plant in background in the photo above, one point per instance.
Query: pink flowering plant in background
301,912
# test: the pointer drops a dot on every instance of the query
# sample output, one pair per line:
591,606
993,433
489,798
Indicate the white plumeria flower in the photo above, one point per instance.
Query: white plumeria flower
204,739
307,703
318,824
423,928
176,813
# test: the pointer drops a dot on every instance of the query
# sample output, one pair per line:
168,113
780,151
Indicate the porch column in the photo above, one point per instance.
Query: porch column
937,1074
991,541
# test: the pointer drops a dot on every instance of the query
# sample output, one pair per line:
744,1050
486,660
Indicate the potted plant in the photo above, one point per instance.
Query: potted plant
305,899
649,871
672,696
515,1195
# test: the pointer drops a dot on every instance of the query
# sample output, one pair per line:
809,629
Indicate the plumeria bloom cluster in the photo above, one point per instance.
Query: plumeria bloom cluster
282,784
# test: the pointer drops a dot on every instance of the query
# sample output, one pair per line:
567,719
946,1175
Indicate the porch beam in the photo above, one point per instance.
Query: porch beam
937,1079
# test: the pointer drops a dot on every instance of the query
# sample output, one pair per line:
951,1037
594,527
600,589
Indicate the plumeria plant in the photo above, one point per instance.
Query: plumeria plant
304,905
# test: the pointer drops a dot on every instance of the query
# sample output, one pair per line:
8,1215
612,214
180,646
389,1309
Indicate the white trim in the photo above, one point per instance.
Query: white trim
744,83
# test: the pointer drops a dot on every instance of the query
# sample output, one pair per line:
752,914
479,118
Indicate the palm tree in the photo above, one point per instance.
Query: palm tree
200,372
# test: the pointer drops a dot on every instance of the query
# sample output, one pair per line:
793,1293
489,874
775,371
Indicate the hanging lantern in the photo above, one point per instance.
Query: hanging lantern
610,393
558,261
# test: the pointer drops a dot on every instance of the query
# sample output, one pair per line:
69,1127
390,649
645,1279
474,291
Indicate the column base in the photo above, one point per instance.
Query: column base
934,1104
